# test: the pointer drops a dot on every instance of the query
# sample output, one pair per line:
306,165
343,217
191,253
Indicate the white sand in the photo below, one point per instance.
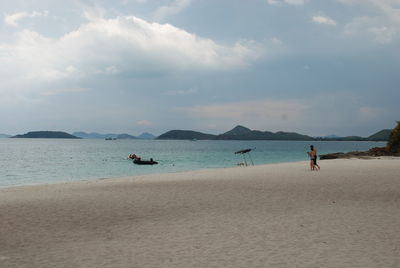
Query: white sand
283,215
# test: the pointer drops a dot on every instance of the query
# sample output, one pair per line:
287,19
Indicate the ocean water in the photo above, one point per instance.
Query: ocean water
39,161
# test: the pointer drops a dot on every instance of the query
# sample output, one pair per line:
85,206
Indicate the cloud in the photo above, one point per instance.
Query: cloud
269,114
64,90
125,45
373,28
383,34
144,123
109,70
13,19
174,8
367,113
323,20
137,1
289,2
382,24
250,112
276,41
93,12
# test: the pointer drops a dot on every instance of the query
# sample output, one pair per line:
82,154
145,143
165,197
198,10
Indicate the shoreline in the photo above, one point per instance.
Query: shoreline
86,163
142,175
133,177
280,215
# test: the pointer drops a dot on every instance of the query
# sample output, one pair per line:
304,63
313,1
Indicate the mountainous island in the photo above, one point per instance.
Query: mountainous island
46,135
185,135
382,135
244,133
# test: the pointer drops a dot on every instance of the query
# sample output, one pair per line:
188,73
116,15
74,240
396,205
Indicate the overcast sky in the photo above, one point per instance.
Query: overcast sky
130,66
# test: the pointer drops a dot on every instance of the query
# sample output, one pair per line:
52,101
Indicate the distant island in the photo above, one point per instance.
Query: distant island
244,133
46,135
392,147
185,135
237,133
382,135
95,135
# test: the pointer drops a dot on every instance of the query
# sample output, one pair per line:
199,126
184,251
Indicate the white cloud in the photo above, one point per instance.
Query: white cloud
276,41
126,45
289,2
383,34
382,24
373,28
93,13
174,8
323,20
13,19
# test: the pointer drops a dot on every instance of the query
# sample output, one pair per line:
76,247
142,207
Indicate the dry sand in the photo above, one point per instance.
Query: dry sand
281,215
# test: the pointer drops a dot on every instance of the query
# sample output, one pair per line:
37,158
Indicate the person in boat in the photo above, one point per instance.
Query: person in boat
132,156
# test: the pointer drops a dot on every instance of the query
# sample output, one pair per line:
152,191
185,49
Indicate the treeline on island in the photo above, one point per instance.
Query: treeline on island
46,134
392,148
77,135
243,133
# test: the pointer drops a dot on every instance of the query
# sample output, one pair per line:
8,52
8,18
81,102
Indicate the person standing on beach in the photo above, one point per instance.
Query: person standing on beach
313,158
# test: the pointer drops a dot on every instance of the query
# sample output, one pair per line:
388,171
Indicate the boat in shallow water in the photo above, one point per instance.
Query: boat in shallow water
145,162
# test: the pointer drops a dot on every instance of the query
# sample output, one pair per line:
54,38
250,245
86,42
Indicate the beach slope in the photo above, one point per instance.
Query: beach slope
280,215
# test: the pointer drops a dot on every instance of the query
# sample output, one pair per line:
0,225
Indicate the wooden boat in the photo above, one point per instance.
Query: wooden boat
145,162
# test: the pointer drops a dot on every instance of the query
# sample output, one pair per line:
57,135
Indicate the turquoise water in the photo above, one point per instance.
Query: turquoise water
38,161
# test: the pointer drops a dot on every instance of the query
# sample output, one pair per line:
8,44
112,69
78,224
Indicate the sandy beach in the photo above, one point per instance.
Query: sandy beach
280,215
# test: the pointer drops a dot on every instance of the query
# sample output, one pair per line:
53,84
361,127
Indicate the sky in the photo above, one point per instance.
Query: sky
317,67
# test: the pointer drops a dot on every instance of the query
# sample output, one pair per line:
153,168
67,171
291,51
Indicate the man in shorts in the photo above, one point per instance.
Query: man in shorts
313,158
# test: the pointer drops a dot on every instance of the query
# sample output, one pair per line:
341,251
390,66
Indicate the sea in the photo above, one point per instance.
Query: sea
44,161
